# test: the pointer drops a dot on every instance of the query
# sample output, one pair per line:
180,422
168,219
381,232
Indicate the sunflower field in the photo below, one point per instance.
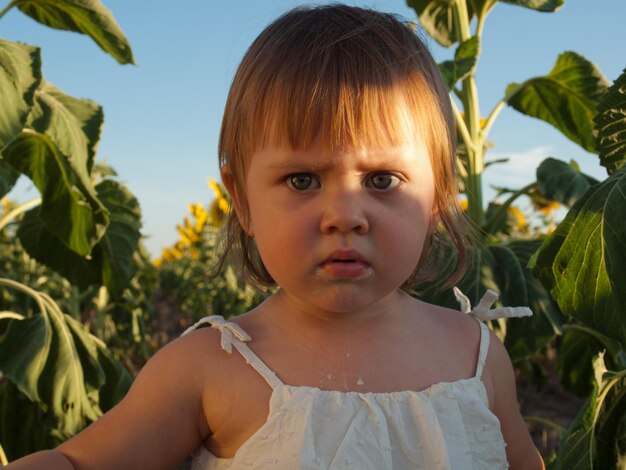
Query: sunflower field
83,305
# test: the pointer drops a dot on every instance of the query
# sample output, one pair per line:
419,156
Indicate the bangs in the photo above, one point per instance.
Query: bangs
342,108
353,80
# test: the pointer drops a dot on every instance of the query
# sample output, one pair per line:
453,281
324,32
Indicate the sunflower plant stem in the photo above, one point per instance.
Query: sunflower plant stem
8,7
3,457
469,99
101,302
9,217
493,221
11,315
546,422
36,296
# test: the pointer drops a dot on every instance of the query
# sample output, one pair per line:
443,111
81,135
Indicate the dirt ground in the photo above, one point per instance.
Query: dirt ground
548,402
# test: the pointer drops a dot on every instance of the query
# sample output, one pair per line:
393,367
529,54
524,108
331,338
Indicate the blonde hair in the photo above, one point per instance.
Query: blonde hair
339,72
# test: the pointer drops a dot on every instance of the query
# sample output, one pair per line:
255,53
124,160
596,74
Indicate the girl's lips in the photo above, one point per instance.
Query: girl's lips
345,264
348,270
345,255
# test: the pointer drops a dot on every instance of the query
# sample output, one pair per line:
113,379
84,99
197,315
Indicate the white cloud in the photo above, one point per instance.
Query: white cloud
518,171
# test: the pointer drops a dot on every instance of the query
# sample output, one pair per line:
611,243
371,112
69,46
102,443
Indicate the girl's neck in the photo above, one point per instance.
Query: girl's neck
283,309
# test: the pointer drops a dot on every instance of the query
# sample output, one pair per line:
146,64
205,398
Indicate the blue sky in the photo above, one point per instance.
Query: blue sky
162,116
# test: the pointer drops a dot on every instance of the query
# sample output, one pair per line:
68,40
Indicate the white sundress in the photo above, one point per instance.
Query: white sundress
447,426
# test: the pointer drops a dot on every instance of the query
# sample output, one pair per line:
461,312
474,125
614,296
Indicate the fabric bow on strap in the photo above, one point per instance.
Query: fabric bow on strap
228,330
483,310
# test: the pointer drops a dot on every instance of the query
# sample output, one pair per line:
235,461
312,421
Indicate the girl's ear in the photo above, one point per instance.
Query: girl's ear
241,213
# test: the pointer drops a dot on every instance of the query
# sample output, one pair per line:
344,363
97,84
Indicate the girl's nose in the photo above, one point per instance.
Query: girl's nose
343,212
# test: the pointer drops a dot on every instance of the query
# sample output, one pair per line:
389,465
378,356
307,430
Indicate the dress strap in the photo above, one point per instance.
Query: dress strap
483,348
483,310
233,335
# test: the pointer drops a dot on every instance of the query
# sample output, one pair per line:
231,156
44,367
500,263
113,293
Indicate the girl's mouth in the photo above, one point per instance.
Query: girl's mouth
345,264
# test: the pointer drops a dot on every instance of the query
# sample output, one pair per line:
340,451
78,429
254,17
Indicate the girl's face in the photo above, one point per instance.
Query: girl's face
340,231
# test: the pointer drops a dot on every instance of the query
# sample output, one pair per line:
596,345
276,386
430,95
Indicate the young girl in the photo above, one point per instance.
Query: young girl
337,148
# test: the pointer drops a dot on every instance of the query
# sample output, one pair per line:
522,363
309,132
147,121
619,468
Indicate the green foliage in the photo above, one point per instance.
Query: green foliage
582,262
563,183
37,156
81,240
51,137
574,362
440,17
611,126
110,262
58,365
24,426
187,270
88,17
465,59
576,285
598,436
502,267
124,323
21,74
566,98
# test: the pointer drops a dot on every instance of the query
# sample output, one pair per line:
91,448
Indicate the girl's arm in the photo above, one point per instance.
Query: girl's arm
156,426
48,459
520,450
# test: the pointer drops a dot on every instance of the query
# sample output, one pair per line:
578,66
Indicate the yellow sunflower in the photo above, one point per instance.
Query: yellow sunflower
220,206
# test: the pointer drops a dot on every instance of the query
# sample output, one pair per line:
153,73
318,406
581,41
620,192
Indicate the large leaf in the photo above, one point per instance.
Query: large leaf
580,344
110,262
8,177
437,18
88,17
539,5
465,59
507,265
611,126
596,439
38,354
73,124
48,249
120,241
20,75
565,98
561,182
574,361
56,363
24,426
69,210
583,262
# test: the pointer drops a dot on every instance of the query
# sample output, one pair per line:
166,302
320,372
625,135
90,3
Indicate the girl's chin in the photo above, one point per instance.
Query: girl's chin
347,299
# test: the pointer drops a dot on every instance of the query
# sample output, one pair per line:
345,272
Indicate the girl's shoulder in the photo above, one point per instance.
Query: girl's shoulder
211,352
201,353
450,339
450,326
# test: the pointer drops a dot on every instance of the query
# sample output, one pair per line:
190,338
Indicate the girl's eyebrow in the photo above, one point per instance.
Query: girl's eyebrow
288,164
387,163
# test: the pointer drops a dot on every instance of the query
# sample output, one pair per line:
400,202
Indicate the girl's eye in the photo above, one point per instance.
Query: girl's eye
302,181
383,181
